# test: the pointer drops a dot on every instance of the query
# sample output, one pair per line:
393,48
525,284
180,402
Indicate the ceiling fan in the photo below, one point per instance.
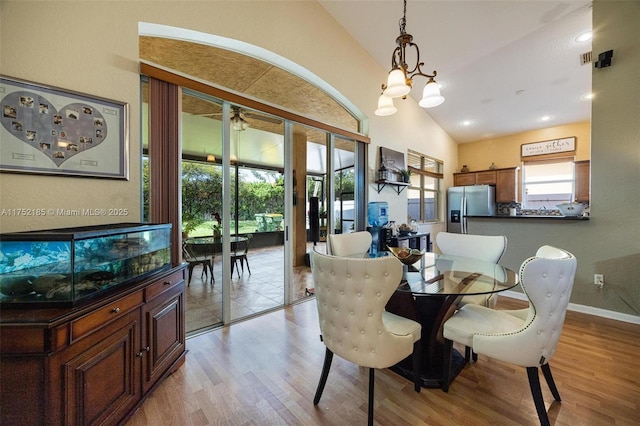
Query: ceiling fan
239,118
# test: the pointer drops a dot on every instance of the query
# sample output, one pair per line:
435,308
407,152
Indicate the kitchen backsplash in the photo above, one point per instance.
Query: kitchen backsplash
503,210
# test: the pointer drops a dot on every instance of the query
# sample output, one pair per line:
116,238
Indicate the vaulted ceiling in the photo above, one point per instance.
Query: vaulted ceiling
503,64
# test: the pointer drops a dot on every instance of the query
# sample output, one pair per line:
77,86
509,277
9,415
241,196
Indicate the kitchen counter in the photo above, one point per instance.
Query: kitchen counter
541,217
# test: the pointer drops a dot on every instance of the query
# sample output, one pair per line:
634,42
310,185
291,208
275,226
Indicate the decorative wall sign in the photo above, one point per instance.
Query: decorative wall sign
48,130
549,147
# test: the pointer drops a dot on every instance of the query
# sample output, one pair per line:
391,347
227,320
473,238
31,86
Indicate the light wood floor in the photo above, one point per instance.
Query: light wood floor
264,371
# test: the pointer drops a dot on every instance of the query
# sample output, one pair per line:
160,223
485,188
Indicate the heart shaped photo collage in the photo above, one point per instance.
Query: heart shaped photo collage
57,134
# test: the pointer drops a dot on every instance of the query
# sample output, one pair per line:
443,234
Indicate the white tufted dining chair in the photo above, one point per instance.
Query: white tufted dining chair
527,340
351,244
488,248
351,295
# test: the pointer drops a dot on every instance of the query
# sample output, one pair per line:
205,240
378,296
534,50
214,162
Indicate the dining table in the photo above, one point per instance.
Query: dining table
428,293
210,246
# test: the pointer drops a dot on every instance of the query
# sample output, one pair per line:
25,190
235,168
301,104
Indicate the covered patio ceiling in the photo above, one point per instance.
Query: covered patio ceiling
259,144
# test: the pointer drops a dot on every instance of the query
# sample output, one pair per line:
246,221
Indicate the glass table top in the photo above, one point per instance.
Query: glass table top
443,275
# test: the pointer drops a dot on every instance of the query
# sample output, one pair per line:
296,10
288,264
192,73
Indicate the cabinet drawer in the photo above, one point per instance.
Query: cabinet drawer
486,178
163,285
93,321
463,179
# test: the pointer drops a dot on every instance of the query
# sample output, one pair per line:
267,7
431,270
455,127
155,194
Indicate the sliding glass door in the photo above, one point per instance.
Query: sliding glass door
246,180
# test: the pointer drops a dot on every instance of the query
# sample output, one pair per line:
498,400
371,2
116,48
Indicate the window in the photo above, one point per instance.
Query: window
547,182
423,193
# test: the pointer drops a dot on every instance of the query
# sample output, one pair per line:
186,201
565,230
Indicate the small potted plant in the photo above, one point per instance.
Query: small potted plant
405,174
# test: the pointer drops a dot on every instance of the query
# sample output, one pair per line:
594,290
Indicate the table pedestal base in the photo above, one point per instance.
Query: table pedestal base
430,312
431,379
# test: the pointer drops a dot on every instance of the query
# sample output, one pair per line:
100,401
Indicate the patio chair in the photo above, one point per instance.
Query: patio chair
241,248
192,254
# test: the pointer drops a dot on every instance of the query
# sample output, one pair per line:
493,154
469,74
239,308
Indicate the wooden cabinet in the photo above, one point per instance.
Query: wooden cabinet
95,363
505,181
583,181
487,177
101,383
484,177
163,335
464,179
507,185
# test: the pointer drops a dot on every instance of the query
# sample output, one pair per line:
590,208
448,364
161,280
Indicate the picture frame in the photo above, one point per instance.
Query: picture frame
392,160
53,131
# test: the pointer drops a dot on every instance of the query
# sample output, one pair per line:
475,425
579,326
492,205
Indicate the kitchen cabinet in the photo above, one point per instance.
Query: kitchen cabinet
507,185
487,177
505,181
464,179
484,177
93,363
582,180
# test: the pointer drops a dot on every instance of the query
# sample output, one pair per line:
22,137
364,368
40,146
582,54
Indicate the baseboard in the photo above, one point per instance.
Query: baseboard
598,312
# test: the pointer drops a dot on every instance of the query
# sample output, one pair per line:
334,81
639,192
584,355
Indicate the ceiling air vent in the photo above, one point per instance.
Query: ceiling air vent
585,58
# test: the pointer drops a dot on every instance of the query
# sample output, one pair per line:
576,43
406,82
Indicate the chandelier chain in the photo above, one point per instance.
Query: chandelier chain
403,20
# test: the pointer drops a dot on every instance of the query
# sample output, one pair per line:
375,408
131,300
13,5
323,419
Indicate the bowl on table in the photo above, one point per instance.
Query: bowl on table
406,255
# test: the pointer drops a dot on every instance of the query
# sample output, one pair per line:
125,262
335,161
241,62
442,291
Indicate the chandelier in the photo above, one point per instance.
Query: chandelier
401,76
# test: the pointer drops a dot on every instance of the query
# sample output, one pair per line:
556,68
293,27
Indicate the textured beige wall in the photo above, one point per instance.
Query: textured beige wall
92,47
505,151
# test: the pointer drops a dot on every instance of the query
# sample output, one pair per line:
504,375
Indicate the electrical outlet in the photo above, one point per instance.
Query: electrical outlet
598,279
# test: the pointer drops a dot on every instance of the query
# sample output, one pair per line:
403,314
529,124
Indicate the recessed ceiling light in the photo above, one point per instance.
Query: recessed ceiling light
587,97
520,92
467,123
584,37
545,118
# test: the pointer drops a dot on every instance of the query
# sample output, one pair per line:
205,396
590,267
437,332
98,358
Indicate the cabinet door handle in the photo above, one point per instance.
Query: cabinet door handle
115,311
167,283
148,349
139,354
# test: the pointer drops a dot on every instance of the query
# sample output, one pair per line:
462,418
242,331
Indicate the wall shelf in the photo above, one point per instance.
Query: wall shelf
397,186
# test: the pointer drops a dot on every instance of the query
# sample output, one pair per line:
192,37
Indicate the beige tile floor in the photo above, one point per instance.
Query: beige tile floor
251,294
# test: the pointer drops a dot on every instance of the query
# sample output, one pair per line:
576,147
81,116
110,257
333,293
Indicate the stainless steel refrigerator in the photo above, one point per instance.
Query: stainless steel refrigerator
463,201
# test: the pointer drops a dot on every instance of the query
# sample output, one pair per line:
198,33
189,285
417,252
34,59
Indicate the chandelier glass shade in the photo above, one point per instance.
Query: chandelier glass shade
431,96
400,79
397,84
385,106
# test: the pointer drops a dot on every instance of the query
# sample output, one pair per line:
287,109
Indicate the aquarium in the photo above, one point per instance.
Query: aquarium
60,267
